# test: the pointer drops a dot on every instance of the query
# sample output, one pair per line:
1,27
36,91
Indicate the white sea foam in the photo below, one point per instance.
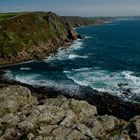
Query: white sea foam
102,80
96,78
23,68
28,79
64,54
9,75
73,56
37,80
133,81
86,37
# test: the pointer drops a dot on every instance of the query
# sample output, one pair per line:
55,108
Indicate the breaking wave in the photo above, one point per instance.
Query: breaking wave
105,81
23,68
64,54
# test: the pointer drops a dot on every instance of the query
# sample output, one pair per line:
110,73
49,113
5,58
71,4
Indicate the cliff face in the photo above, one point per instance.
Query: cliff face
32,36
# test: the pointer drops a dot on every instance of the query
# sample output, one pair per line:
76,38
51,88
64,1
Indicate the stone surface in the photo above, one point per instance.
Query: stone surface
133,128
22,117
15,98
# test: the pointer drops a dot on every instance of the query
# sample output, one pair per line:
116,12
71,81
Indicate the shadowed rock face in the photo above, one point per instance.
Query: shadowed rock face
33,36
60,118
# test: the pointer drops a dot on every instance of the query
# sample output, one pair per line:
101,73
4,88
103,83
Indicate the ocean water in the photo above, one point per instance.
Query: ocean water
108,59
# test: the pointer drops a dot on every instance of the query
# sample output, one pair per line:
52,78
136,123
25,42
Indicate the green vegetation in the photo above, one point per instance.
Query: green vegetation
4,16
26,31
29,29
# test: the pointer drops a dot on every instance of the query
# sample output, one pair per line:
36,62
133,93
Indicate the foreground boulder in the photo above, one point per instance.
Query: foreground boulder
22,117
14,98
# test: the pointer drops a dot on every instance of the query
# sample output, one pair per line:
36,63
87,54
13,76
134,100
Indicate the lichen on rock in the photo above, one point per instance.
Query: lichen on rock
57,119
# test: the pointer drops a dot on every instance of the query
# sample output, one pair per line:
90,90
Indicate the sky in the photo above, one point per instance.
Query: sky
75,7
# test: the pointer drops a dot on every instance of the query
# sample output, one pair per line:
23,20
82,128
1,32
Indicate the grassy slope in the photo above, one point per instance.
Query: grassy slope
4,16
29,29
24,31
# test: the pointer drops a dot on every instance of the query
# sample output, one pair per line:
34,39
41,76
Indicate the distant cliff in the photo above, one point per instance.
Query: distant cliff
76,21
33,35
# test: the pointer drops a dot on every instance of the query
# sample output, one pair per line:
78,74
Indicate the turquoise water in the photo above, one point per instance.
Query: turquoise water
108,59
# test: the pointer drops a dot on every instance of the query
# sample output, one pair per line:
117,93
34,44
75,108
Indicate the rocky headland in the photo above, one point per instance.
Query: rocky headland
33,35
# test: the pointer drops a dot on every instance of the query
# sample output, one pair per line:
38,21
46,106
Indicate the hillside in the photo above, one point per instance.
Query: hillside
32,36
82,21
4,16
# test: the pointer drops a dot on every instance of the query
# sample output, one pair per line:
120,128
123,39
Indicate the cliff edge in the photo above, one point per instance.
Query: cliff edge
33,35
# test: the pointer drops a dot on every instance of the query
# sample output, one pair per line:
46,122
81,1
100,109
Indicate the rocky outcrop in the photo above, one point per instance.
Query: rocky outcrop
23,117
33,36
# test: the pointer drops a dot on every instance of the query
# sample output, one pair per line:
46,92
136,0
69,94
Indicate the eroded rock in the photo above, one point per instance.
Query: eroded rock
58,119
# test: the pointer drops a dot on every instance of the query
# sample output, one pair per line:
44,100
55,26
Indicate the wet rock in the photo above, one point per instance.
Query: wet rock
122,84
80,36
125,93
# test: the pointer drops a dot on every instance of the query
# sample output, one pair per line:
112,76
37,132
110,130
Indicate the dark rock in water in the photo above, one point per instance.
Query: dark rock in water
128,90
111,76
122,84
125,93
80,36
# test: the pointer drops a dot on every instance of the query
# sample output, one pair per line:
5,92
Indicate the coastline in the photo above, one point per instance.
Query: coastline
105,102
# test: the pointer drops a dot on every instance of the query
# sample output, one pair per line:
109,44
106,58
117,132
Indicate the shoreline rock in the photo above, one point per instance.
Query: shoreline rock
58,118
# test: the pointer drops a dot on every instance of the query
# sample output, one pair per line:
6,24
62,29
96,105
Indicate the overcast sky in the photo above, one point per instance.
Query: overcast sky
75,7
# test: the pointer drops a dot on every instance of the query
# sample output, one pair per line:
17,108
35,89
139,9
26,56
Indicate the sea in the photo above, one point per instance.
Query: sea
107,60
